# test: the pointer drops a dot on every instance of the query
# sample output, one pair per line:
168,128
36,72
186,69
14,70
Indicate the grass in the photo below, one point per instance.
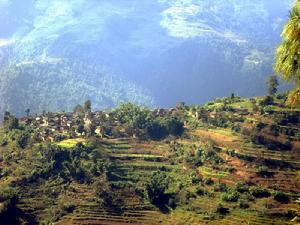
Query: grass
211,173
70,143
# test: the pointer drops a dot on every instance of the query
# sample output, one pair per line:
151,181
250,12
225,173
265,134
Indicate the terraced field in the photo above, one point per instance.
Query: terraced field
132,164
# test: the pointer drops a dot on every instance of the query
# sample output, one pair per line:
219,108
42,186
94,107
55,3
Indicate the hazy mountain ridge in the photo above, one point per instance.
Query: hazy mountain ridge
175,50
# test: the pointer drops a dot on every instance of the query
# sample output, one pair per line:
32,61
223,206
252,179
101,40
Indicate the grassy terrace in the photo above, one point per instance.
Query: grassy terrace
71,143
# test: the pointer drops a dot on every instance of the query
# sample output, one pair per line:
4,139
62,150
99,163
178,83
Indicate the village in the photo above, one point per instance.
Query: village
57,126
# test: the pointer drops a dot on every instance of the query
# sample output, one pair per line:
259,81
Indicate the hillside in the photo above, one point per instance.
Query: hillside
164,51
230,161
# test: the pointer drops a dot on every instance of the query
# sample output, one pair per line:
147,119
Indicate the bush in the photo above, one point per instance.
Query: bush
60,137
208,181
156,188
195,178
22,139
243,204
221,187
264,171
259,192
200,191
3,141
281,197
241,187
222,210
8,199
268,100
232,196
67,207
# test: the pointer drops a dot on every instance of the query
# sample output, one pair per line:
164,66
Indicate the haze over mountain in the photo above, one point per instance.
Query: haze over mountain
55,54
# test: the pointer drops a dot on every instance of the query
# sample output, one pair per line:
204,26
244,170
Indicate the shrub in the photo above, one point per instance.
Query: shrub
67,207
8,199
200,191
268,100
221,187
60,137
243,204
281,197
259,192
264,171
241,187
156,188
232,196
3,141
222,210
22,139
195,178
208,181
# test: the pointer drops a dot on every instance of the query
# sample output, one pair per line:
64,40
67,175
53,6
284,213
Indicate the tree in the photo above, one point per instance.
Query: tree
78,110
10,122
80,128
22,139
272,85
27,111
133,115
287,60
156,188
87,106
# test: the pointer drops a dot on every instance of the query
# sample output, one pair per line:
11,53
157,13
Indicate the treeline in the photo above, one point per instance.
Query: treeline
143,123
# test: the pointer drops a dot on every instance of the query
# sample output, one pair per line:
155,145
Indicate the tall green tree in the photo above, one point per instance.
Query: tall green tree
288,54
272,84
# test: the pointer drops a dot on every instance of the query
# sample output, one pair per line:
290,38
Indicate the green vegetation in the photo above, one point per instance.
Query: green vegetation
287,56
225,164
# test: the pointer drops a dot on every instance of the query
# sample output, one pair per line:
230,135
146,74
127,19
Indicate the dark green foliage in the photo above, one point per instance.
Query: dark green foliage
27,111
8,199
80,128
270,143
259,192
138,118
264,171
157,130
243,204
10,122
222,210
274,129
132,115
156,188
268,100
87,106
208,181
281,197
60,137
241,187
3,141
231,196
79,110
104,192
200,191
22,139
221,187
259,126
67,207
173,125
195,178
272,84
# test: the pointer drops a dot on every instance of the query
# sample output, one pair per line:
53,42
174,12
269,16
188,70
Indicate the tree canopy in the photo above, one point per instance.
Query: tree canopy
288,54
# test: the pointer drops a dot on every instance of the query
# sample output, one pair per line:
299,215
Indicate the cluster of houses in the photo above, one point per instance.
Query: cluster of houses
49,126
